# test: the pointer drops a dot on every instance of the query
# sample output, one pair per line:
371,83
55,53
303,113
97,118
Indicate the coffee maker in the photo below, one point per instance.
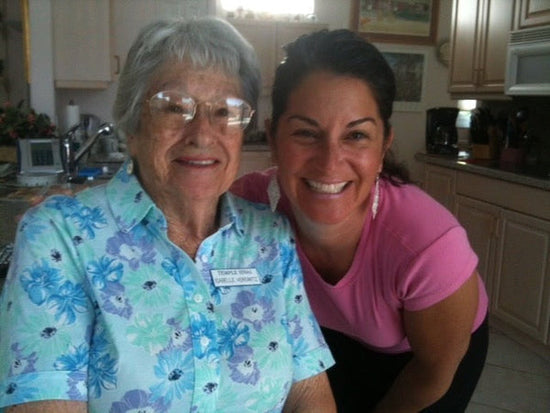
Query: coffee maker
441,132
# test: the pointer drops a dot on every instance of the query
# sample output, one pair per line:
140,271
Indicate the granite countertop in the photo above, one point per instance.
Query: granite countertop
487,168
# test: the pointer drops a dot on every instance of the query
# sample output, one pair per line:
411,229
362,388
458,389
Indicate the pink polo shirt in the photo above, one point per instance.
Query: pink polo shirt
411,256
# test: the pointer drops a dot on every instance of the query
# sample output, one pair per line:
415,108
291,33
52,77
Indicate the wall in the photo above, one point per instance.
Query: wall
16,85
409,126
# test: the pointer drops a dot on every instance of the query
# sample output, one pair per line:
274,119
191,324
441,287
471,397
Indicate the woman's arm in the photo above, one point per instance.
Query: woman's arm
439,337
311,395
50,406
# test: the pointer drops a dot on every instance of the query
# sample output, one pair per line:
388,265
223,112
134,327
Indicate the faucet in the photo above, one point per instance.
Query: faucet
70,157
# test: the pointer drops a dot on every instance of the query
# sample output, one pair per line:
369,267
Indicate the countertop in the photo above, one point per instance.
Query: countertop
487,168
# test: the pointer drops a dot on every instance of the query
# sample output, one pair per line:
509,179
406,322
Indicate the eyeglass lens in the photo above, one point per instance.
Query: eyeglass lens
175,109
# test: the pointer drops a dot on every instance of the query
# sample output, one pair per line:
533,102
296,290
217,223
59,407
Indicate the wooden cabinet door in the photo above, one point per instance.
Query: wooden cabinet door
480,31
129,16
464,46
440,184
480,221
262,37
521,295
493,46
81,42
533,13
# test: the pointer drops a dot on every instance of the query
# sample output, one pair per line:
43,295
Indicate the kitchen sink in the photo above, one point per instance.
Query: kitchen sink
99,170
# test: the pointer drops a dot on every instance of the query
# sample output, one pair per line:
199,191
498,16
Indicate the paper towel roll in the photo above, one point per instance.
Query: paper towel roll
72,115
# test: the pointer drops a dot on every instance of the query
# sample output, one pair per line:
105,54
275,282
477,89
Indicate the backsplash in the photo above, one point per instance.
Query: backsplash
533,127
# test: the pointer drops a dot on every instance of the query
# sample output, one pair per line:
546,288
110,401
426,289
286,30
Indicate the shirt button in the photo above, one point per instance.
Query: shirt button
197,298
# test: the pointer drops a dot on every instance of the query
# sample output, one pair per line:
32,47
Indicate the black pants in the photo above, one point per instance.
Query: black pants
361,377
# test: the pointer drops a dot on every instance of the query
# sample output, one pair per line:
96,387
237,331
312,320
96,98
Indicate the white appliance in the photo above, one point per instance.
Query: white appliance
528,62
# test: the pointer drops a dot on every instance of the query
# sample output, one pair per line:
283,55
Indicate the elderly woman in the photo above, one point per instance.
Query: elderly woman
159,291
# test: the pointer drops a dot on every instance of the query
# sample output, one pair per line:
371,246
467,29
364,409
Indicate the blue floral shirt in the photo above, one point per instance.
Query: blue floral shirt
100,306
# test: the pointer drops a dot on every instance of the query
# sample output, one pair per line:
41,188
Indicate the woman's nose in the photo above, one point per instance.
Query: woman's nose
329,155
200,131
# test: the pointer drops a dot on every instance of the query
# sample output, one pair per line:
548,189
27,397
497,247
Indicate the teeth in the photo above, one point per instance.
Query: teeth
201,163
327,188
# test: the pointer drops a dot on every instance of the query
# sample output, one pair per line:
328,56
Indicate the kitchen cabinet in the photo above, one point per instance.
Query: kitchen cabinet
521,294
262,36
81,42
92,37
508,226
268,39
439,182
132,15
531,13
480,219
479,40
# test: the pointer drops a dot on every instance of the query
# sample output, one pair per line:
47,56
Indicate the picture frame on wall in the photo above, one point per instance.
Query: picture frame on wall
396,21
409,68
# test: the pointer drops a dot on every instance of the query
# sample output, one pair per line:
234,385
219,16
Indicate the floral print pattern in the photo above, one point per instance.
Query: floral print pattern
115,315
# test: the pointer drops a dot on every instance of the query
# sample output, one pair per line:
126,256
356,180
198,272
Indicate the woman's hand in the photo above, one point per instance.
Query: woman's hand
50,406
439,337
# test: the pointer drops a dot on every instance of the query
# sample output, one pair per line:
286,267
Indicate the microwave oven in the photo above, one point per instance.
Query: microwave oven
528,62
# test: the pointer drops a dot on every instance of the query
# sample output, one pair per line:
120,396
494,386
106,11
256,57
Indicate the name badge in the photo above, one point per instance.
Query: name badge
235,277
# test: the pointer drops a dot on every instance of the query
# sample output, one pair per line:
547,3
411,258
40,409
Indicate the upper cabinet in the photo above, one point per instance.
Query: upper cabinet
262,37
132,15
92,37
533,13
81,42
479,40
268,39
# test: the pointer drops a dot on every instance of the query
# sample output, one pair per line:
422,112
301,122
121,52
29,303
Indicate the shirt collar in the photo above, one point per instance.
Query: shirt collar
131,204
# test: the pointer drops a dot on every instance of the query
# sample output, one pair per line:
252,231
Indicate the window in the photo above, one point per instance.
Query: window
269,7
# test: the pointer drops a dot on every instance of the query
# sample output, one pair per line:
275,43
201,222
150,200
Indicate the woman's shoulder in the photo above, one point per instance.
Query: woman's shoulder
412,215
253,213
409,200
253,186
62,205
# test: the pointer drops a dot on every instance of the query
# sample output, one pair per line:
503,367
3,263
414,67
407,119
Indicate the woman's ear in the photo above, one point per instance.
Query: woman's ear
130,144
388,141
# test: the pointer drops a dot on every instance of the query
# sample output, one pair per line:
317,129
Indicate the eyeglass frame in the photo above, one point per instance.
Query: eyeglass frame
188,118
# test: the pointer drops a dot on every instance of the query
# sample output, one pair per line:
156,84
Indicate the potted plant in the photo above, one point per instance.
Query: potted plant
19,122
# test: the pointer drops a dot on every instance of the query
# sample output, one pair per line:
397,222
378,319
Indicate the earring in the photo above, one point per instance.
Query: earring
376,199
273,193
130,166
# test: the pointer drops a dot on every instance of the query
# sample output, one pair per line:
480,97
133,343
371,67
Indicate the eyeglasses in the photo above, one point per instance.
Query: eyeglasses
175,109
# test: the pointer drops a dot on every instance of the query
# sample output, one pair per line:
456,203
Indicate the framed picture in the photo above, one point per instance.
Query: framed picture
396,21
410,78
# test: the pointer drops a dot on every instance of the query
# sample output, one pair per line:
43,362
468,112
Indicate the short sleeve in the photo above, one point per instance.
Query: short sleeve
45,314
311,354
438,271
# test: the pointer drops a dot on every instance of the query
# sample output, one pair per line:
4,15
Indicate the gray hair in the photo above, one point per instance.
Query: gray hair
204,42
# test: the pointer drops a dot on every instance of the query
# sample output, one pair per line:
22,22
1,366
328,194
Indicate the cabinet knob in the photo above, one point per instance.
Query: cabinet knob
117,64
